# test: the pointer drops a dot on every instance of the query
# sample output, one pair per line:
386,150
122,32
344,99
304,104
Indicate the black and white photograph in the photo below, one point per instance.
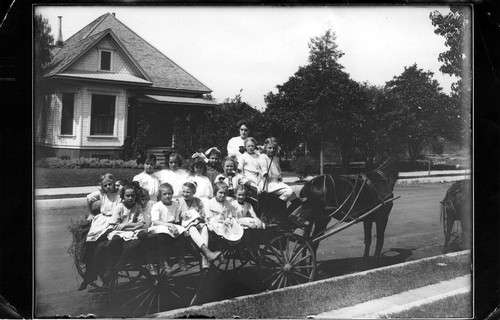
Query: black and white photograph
253,161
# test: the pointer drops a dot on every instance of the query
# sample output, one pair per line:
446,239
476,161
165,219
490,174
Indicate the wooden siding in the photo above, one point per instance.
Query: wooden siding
90,61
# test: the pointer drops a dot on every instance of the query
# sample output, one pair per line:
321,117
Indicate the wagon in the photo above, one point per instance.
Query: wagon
286,248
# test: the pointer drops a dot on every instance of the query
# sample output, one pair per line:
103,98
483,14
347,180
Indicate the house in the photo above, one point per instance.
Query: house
100,83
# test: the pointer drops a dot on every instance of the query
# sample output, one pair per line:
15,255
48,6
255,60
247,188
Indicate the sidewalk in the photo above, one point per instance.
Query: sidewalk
380,308
404,178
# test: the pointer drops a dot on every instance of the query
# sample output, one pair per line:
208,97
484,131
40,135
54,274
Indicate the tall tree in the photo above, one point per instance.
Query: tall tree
317,100
414,99
455,27
43,44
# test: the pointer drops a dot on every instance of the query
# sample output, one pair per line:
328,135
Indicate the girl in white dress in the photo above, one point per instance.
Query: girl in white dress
109,199
127,221
174,175
204,189
220,209
245,215
214,167
193,219
165,217
147,179
249,162
231,178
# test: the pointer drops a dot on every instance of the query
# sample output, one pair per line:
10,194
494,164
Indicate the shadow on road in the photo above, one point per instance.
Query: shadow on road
338,267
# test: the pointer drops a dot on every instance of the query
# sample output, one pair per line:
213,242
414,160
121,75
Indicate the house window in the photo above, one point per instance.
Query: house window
68,106
102,117
105,60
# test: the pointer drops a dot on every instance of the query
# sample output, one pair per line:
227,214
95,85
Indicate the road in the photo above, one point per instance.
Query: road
414,231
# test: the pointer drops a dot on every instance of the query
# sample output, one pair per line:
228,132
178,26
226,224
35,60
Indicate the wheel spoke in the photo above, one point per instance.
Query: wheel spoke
300,275
276,253
297,253
271,275
279,277
151,302
152,291
303,258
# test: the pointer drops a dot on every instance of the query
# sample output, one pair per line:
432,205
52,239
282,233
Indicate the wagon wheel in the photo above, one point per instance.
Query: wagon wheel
134,292
234,258
288,260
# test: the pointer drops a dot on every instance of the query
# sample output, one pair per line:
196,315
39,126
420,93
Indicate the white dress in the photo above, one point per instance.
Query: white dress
217,213
100,223
250,167
166,213
176,178
122,214
233,147
149,182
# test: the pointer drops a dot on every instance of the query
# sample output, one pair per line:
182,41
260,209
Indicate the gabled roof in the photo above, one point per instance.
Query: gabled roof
159,69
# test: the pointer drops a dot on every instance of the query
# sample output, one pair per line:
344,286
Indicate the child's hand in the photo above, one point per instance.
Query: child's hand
121,226
90,217
185,215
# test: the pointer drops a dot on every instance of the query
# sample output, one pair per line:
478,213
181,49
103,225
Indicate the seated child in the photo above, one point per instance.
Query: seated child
249,162
272,181
193,219
245,215
165,222
127,220
174,175
231,178
214,167
147,179
220,209
204,189
100,226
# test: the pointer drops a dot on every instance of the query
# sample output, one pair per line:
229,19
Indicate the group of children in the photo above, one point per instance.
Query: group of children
162,208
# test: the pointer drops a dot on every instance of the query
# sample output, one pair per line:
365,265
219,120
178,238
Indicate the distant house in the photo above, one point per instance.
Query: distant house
100,82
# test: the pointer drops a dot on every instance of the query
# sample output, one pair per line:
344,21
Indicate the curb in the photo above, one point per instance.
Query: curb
198,310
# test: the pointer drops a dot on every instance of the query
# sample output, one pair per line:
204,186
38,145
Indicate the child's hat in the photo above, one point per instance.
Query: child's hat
212,149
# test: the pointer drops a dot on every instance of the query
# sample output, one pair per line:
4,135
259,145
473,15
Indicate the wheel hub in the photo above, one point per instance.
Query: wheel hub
287,267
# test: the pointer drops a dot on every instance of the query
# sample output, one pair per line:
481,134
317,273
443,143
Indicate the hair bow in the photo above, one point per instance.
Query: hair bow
212,149
199,155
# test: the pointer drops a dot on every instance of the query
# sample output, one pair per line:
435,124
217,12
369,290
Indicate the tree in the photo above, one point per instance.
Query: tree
414,102
317,101
42,56
455,27
43,44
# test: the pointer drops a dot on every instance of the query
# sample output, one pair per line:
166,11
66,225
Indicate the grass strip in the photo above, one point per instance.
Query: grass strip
336,293
451,307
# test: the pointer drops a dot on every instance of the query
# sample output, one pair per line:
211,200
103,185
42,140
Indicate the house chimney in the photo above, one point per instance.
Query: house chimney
59,41
113,14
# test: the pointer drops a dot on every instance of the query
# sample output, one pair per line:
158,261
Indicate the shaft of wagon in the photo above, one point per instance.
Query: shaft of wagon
358,219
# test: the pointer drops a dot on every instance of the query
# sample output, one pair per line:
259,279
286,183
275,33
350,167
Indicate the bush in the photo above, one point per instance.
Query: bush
53,162
304,166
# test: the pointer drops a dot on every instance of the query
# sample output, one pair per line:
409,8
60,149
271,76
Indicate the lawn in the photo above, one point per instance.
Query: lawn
60,178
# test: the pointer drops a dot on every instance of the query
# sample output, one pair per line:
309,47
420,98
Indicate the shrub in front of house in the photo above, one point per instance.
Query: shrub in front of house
54,162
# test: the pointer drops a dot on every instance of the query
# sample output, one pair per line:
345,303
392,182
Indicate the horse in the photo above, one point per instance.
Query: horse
456,206
348,198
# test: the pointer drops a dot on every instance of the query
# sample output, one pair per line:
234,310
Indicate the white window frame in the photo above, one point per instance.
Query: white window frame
115,122
110,62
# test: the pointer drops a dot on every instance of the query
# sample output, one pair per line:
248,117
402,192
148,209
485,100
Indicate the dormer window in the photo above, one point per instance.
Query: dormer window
105,58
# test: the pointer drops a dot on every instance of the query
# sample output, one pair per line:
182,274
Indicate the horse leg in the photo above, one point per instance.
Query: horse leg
319,226
367,225
381,224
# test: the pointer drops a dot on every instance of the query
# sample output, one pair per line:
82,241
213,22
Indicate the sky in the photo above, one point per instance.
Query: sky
254,49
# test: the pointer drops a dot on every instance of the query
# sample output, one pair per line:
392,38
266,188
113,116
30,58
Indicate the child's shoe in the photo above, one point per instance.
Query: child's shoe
151,269
165,268
182,265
